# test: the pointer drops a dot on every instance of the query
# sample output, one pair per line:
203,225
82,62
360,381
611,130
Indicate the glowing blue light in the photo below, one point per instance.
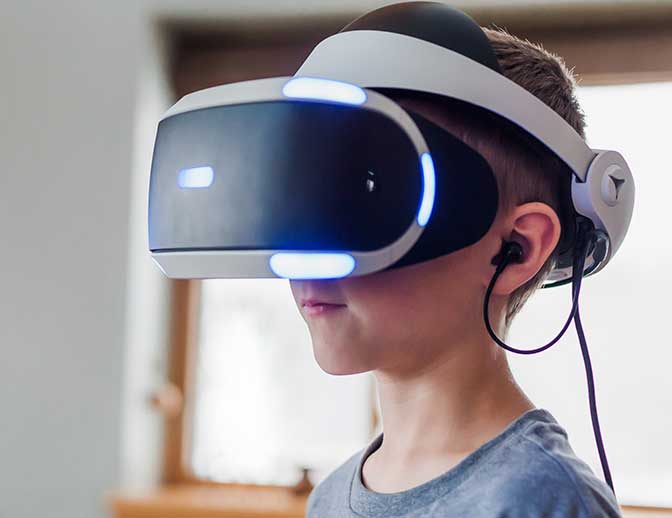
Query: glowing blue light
428,189
311,265
195,177
324,89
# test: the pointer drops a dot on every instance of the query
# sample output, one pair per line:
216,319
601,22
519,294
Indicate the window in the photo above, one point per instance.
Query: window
624,311
262,406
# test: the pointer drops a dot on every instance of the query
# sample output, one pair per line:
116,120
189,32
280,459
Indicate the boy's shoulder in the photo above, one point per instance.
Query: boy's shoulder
527,470
542,474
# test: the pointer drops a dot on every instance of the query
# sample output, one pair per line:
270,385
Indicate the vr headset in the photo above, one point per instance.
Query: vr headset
320,175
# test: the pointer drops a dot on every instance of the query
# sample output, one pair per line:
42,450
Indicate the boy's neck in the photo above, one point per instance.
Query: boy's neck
444,410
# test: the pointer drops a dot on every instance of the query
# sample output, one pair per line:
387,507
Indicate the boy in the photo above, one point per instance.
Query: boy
460,436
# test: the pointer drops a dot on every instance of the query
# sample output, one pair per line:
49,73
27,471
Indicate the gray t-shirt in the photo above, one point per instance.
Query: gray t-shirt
528,470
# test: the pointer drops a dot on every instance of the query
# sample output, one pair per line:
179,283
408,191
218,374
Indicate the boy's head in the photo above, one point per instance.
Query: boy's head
426,306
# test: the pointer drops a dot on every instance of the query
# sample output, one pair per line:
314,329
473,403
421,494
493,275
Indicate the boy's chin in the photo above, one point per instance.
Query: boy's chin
340,369
338,362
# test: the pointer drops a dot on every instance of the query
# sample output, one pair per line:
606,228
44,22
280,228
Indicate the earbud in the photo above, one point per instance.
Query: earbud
511,251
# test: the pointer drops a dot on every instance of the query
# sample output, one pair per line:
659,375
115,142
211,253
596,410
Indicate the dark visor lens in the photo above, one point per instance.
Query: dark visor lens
282,175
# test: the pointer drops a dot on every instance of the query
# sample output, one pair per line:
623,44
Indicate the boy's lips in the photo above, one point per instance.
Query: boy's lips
313,306
313,301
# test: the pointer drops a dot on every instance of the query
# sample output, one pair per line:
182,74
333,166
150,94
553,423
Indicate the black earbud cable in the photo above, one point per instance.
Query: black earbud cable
576,286
512,252
593,402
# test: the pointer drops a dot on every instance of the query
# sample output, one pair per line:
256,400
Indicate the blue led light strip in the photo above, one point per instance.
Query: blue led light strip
324,89
195,177
428,189
311,265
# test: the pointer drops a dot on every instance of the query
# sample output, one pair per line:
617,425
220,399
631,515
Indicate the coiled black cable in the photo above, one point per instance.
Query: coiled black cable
512,252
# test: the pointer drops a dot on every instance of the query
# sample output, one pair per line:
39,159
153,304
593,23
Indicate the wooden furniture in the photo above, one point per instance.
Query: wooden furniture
210,502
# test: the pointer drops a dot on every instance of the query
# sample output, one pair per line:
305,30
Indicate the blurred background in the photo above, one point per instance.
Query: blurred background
125,394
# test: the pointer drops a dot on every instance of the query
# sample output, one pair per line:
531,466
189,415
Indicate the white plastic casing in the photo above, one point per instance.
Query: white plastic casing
607,196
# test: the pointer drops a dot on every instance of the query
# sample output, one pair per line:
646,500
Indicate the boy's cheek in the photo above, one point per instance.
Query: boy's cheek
386,312
360,339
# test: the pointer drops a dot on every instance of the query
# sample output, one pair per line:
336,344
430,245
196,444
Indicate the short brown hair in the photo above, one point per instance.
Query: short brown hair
525,169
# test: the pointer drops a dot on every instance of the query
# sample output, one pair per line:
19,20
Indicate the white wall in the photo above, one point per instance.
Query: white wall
67,81
82,309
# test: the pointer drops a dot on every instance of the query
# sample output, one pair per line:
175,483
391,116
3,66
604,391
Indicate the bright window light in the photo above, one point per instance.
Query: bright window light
324,89
262,406
311,265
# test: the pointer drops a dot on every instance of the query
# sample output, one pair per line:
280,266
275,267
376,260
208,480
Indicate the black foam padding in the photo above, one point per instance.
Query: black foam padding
466,198
435,22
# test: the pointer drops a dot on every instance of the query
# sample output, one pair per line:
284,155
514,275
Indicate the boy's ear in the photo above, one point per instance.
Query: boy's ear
535,226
